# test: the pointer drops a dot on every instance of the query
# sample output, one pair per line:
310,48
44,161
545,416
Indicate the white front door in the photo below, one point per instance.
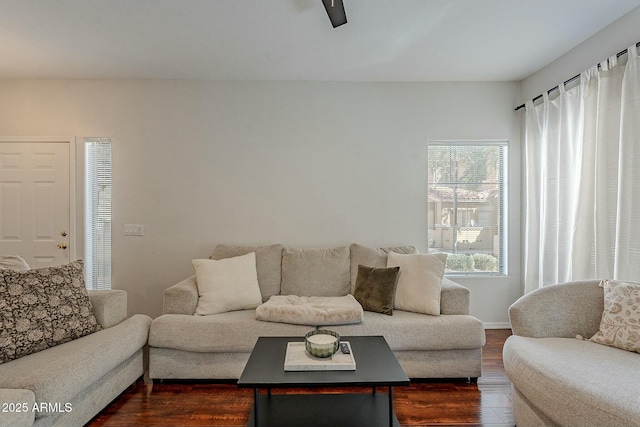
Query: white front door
35,201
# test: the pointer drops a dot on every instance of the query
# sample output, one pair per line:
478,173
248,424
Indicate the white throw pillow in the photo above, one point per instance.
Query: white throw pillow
13,262
420,281
227,285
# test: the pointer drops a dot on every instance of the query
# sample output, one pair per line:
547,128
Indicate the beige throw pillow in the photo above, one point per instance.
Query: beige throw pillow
620,324
228,284
420,281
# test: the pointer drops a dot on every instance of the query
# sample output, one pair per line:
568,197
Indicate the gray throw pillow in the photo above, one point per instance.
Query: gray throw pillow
376,287
42,308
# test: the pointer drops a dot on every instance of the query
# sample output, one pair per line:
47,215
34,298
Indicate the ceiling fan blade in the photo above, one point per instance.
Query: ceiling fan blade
335,10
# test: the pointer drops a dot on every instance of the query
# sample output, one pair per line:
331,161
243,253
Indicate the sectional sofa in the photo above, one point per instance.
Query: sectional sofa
185,345
70,383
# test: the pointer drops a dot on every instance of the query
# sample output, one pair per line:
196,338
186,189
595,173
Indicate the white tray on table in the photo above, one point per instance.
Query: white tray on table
298,359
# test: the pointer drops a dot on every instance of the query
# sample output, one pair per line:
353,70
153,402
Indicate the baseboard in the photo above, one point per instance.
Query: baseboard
497,325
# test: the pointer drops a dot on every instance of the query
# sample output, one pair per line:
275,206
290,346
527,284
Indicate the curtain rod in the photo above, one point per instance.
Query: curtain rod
566,82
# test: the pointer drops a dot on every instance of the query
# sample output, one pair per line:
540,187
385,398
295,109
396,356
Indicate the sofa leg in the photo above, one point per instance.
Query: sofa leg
473,380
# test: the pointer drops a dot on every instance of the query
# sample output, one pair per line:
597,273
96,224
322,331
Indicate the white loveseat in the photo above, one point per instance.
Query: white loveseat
559,380
187,346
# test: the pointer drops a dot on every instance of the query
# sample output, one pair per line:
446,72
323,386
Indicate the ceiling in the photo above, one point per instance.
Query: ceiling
384,40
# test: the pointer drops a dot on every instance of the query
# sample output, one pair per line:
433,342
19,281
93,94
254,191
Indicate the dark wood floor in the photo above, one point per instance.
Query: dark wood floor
423,403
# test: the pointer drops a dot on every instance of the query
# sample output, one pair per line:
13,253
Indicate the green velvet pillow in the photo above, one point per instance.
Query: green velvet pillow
376,288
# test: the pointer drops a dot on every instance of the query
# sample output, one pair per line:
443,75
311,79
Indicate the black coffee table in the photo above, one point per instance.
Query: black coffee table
376,366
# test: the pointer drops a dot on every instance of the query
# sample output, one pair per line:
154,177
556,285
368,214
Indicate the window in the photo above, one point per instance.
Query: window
97,211
467,205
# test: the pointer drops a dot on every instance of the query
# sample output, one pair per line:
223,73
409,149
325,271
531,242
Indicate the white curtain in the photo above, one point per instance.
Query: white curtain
582,179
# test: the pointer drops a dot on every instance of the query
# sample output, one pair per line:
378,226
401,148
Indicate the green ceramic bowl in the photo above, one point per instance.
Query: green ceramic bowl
322,343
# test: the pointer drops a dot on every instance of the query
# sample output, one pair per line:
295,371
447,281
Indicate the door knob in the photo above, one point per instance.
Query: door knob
62,246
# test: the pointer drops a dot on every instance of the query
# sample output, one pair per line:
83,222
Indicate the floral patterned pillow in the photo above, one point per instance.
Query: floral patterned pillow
43,307
620,324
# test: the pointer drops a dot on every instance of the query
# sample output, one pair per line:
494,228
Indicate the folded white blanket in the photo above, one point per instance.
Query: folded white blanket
312,311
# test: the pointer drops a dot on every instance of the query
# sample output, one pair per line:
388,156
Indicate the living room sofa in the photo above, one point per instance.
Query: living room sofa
70,383
561,380
188,346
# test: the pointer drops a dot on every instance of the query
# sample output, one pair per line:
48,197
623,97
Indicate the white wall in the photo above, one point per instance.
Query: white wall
614,38
308,164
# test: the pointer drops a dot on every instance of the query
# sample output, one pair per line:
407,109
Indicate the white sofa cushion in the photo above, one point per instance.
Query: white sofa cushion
316,272
234,331
226,285
238,331
13,262
420,281
417,332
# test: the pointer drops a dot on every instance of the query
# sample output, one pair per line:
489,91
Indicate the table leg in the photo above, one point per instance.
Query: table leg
256,398
390,406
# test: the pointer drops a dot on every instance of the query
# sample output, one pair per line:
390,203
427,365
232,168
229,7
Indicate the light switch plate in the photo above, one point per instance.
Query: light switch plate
134,230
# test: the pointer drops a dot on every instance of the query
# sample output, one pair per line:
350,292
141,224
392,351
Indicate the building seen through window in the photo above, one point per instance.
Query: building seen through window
467,199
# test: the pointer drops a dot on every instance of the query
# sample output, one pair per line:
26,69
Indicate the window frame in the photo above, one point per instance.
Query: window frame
503,216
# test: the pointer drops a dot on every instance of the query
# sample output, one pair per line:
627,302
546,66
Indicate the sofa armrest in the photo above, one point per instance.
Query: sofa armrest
17,407
181,298
454,298
563,311
109,307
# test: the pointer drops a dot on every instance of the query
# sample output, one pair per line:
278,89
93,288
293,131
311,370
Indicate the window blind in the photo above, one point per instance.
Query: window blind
98,213
467,204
